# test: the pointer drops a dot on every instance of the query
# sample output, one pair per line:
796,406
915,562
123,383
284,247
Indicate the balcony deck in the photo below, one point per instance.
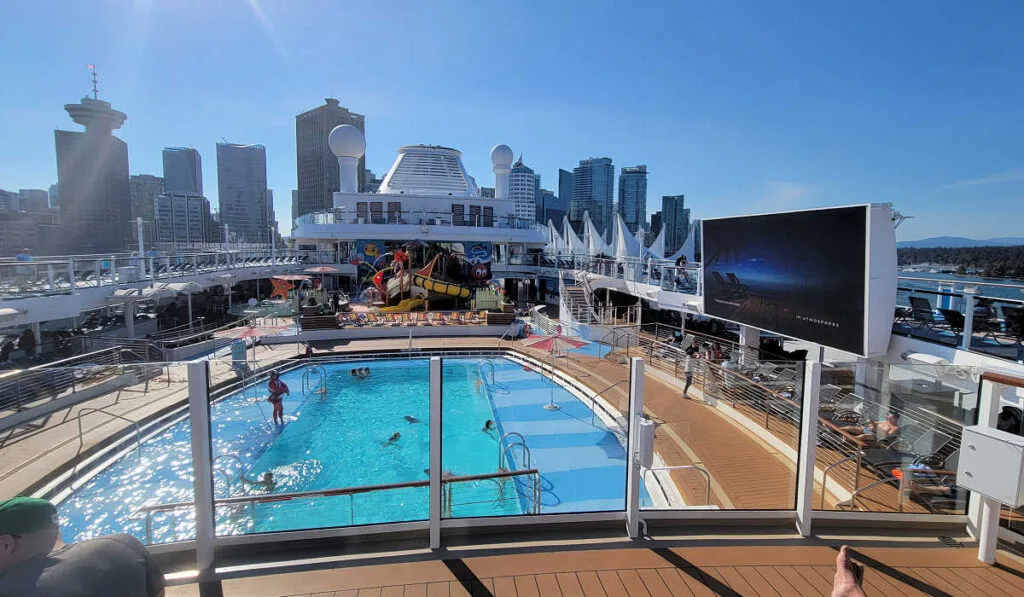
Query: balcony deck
738,566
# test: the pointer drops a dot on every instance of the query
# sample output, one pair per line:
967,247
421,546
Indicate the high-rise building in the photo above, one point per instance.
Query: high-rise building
183,170
487,192
143,190
676,219
593,191
33,200
54,195
295,207
523,185
633,197
8,200
316,165
551,207
656,223
92,179
182,219
242,190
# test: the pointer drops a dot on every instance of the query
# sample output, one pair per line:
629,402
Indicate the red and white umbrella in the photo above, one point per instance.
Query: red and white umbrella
553,344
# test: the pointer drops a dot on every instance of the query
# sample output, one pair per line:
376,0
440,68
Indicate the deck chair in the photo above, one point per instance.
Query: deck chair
764,371
935,486
431,318
848,411
954,320
828,395
344,319
461,318
921,312
925,448
738,288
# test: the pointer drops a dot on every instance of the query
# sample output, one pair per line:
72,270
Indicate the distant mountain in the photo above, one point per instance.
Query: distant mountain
958,242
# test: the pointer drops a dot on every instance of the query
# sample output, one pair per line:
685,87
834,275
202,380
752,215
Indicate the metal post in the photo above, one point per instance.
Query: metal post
636,409
435,452
808,447
129,318
983,513
968,333
199,425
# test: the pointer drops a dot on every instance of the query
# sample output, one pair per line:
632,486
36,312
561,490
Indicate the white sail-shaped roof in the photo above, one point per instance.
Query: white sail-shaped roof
592,238
573,244
555,242
625,245
689,247
657,248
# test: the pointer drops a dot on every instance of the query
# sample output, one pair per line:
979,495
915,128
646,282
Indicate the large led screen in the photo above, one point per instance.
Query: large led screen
799,274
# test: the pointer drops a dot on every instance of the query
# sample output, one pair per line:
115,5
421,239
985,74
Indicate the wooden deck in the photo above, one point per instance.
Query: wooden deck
767,569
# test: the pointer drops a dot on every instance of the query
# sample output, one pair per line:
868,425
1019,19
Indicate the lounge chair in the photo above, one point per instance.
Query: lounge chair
828,395
903,451
921,312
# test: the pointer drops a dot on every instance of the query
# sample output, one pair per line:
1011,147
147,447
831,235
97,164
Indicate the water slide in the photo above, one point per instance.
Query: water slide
405,306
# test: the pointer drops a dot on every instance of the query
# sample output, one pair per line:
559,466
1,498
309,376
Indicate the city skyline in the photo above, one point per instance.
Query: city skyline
739,107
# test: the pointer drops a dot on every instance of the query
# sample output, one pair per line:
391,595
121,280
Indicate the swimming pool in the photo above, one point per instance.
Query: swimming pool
341,441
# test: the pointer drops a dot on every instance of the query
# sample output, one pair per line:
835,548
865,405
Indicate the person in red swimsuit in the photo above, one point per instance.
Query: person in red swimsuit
277,389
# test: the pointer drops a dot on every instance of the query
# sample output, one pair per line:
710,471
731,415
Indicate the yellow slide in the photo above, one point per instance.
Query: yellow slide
405,306
445,288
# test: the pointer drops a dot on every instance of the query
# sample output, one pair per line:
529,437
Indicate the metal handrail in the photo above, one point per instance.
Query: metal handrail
252,500
707,475
503,448
853,496
593,400
81,433
824,477
483,362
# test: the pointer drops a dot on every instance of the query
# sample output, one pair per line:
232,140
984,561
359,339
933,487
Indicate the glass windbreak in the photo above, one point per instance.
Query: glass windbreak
103,441
515,441
326,444
889,436
726,427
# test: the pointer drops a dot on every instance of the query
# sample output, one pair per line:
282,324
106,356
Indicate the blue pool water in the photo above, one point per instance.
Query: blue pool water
341,441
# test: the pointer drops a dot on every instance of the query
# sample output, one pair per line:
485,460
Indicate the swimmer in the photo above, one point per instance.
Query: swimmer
411,419
267,481
488,426
391,440
353,373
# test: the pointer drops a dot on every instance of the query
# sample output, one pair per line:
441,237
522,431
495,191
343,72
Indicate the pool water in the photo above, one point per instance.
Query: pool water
341,441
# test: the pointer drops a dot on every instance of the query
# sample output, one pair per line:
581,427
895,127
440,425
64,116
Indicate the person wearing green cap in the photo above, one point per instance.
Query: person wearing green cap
113,566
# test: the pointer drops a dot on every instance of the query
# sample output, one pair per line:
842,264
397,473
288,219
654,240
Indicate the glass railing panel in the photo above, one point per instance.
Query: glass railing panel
103,441
353,448
731,441
889,436
516,442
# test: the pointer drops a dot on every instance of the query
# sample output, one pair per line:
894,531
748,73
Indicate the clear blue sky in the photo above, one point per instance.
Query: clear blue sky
741,106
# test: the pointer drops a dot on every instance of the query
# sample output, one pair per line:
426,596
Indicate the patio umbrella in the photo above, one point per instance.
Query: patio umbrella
553,344
323,269
249,331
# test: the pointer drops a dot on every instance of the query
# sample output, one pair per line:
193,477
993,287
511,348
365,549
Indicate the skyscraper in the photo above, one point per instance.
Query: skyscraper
183,170
523,185
565,194
676,219
655,223
633,197
550,207
242,186
92,179
182,219
316,166
143,190
593,190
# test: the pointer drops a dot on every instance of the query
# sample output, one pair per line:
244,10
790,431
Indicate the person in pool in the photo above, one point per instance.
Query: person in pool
277,390
391,440
488,426
267,481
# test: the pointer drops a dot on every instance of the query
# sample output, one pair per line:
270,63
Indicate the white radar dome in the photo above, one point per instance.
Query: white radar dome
501,155
346,140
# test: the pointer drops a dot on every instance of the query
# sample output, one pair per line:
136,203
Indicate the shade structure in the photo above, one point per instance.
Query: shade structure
573,245
553,344
323,269
292,278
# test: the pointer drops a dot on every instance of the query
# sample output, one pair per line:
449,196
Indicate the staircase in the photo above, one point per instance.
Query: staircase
578,302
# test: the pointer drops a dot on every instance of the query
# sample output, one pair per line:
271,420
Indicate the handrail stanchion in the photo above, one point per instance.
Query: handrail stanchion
636,409
199,427
808,446
435,453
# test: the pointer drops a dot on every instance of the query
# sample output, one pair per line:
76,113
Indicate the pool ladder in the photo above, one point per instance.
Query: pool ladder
314,381
507,456
493,385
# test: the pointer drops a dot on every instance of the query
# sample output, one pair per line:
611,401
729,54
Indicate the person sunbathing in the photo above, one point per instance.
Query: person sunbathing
872,431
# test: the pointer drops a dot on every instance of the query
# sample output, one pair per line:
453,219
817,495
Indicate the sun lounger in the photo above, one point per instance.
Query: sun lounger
921,312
